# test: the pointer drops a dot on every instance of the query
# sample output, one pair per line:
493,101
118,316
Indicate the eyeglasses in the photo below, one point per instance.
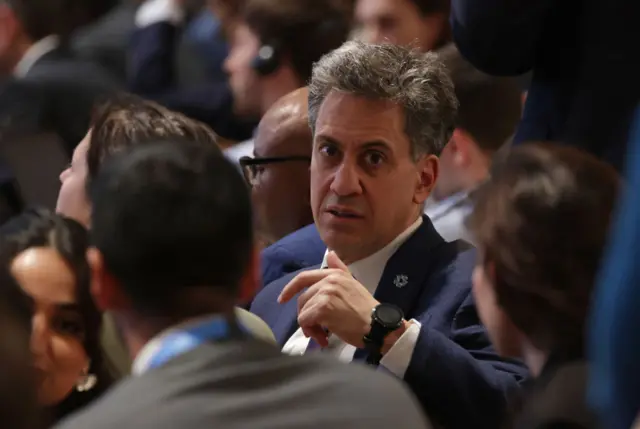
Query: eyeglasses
250,166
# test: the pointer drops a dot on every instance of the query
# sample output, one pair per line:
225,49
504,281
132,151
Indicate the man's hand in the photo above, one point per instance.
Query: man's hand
334,301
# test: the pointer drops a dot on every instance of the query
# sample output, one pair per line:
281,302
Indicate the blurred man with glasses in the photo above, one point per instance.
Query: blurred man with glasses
278,173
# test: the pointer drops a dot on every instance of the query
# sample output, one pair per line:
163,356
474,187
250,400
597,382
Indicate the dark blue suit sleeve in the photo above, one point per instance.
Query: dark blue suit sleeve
151,54
615,344
272,259
152,75
499,37
459,379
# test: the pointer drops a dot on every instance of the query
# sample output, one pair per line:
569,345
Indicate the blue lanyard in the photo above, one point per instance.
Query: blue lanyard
189,338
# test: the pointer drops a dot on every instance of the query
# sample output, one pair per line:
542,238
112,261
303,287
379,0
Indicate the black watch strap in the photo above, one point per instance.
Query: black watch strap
385,318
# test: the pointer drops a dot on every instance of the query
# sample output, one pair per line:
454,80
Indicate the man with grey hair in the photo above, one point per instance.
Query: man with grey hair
390,291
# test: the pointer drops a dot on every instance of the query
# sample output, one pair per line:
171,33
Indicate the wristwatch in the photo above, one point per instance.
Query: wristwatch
385,318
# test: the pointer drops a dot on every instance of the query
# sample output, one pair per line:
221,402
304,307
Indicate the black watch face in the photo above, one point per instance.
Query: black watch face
388,315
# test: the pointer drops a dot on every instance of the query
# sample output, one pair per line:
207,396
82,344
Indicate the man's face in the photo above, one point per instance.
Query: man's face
395,21
72,199
244,81
366,188
280,190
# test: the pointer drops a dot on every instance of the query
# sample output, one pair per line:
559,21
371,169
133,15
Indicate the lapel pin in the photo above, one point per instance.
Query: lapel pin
400,281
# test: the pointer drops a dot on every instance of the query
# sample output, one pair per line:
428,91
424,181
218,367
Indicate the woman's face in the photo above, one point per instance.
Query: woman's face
58,330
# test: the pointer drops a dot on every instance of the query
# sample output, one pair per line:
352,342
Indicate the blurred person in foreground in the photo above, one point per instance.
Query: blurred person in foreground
582,58
18,394
541,223
488,115
390,290
273,48
127,121
278,171
42,78
174,250
45,256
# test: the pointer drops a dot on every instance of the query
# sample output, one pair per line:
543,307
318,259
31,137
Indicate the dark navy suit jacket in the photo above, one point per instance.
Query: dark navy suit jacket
152,75
454,371
300,249
582,53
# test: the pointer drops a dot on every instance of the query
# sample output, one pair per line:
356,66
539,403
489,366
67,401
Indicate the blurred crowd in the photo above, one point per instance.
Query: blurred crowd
319,214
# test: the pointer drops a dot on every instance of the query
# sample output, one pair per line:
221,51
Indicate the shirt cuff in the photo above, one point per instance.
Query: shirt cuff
155,11
398,358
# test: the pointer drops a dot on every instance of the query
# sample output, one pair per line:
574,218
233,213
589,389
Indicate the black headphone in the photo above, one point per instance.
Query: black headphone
268,59
270,54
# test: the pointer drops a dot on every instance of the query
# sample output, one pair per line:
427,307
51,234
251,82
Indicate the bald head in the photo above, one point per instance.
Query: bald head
284,128
282,149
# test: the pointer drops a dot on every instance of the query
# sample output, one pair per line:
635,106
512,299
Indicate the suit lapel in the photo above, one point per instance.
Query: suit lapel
400,284
406,271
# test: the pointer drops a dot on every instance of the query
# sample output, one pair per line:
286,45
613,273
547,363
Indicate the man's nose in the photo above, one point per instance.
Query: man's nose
63,175
346,181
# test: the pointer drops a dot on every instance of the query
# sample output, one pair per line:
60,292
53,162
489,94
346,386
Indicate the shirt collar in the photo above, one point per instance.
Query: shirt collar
368,271
34,53
435,209
143,359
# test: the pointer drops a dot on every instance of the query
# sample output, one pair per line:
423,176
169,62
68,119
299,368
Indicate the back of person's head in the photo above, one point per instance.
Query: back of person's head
422,23
417,82
490,107
127,120
123,121
296,31
172,225
540,223
489,112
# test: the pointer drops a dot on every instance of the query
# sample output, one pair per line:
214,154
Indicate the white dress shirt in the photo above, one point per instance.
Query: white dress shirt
368,272
154,11
449,216
34,53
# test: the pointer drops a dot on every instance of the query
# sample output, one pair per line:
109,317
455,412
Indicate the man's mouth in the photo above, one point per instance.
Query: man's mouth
343,213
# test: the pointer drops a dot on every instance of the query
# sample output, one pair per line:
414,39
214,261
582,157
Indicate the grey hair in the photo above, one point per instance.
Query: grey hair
418,82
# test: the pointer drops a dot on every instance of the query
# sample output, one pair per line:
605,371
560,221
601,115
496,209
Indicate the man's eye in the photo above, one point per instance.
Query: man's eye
328,150
374,158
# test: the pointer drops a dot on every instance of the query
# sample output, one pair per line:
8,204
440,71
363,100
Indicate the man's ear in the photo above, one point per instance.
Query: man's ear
428,169
105,290
463,148
251,280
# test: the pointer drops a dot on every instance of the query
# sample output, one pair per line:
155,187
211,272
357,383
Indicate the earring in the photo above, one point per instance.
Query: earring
86,382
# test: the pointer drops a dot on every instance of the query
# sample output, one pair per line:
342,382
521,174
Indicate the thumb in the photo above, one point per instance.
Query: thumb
333,261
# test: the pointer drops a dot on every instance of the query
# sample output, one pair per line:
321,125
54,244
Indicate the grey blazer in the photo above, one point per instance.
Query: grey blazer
249,384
